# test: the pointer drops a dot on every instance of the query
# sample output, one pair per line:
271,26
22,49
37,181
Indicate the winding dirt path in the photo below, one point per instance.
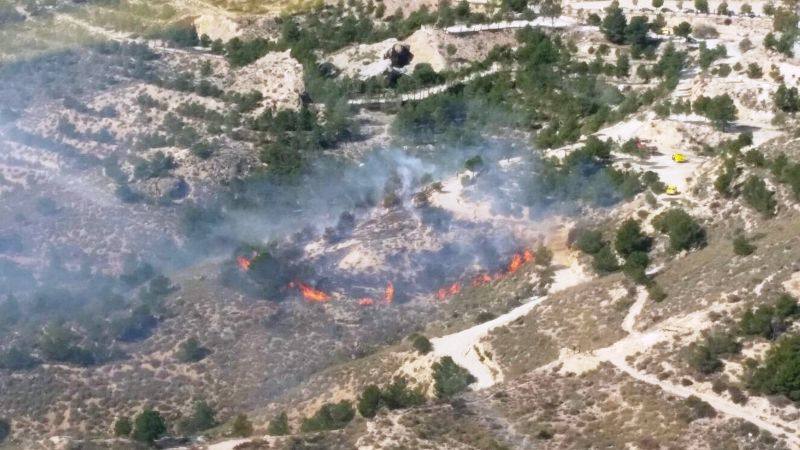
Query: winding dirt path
461,346
689,327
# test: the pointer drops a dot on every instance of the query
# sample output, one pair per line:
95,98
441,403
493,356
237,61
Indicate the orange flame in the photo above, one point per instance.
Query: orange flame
481,279
519,259
448,291
243,263
366,301
388,295
311,294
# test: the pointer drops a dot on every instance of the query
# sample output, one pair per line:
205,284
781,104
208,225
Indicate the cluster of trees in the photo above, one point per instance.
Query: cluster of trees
720,110
682,229
631,244
707,56
330,416
300,134
146,427
786,99
616,28
586,174
149,425
786,172
395,395
705,356
784,23
450,379
779,374
754,189
768,321
83,326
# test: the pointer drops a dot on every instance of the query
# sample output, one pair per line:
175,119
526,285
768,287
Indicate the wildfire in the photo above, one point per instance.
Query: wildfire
481,279
388,295
309,293
366,301
243,263
448,291
519,259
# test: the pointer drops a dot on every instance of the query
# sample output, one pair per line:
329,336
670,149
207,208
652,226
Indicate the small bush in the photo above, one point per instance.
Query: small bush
123,427
590,241
241,426
369,402
742,246
683,231
279,425
330,416
192,351
149,426
656,292
630,239
605,261
698,409
202,419
758,197
450,378
421,344
780,371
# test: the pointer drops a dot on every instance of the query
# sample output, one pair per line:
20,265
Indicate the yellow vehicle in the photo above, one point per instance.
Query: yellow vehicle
679,157
671,189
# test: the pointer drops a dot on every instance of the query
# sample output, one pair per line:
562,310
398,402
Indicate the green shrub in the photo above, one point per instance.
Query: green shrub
123,427
604,261
17,359
656,292
241,426
279,425
192,351
421,344
726,177
398,395
635,267
758,197
590,241
683,231
202,418
149,426
703,360
698,409
450,378
742,246
786,306
330,416
780,371
369,402
769,321
630,239
760,323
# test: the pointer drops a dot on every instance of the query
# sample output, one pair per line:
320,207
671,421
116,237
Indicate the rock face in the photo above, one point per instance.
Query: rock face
172,188
400,55
369,60
217,27
278,77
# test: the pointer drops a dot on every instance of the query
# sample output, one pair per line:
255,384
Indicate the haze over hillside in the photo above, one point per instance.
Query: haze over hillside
378,224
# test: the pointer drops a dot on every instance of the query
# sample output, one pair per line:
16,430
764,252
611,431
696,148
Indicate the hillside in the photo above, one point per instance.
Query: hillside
379,224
